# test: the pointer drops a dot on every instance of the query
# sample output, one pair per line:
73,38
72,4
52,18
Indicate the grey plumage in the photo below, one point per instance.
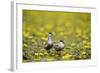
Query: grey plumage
59,46
49,43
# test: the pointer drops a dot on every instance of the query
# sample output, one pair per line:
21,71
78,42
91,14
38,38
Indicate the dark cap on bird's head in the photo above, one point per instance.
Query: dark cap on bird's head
49,33
61,41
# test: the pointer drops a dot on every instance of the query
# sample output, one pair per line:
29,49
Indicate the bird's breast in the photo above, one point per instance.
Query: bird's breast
49,42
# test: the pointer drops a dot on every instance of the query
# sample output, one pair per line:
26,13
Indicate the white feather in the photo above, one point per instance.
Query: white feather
59,45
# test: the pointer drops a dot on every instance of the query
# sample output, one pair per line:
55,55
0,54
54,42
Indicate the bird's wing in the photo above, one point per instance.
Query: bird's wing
61,45
56,45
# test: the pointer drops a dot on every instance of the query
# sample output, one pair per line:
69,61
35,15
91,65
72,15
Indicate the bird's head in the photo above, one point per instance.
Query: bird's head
62,41
49,34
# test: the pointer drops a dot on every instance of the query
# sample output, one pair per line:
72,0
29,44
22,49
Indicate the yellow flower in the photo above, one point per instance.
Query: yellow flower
43,38
50,59
33,40
25,34
84,36
45,53
84,41
30,37
67,56
87,46
36,54
83,53
88,43
39,33
25,45
41,54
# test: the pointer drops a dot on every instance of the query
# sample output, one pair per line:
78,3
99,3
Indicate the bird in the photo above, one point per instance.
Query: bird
49,42
59,46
